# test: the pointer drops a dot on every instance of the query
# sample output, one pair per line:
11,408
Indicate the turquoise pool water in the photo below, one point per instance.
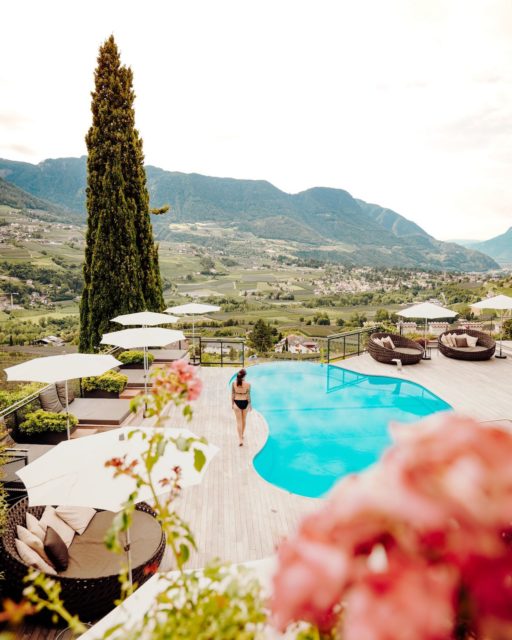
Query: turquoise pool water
326,422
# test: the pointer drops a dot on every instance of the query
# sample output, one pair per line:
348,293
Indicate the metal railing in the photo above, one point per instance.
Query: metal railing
213,352
349,343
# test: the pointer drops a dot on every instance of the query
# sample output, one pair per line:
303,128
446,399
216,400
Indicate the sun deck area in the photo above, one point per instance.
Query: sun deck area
238,516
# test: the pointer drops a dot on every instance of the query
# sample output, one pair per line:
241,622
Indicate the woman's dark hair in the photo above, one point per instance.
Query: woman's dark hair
240,377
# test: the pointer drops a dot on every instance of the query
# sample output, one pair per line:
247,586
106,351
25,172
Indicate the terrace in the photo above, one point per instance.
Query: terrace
238,516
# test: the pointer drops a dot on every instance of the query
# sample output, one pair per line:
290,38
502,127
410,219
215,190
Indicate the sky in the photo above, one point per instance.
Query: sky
403,103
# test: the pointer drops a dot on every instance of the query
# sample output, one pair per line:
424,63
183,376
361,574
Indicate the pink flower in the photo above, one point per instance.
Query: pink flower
410,601
438,505
309,583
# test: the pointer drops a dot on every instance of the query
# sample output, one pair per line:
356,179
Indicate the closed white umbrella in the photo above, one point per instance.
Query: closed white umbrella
193,309
73,473
145,319
499,303
427,311
61,369
142,338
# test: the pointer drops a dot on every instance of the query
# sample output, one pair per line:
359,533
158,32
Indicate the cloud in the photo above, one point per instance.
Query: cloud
21,149
13,120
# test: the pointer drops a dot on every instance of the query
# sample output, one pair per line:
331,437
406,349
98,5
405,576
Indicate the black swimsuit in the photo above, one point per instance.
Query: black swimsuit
241,404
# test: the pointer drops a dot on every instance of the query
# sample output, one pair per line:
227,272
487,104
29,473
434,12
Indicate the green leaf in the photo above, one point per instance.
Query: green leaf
199,459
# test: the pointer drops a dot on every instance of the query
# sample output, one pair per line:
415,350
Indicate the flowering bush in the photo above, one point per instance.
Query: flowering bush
417,547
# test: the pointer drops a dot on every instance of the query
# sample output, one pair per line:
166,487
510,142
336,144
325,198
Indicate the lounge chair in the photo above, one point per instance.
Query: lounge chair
162,356
13,461
406,350
483,350
90,585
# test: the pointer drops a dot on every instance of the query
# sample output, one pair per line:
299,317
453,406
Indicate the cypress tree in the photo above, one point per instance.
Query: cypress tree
121,272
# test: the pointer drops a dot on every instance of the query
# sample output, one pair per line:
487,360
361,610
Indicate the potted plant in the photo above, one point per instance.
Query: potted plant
44,427
109,385
134,359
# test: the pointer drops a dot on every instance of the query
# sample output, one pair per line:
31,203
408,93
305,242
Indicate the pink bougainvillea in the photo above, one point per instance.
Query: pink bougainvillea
417,547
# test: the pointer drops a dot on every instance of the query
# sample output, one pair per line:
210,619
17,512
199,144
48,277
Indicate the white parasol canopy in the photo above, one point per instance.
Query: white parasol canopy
73,473
499,303
193,309
143,337
61,369
145,319
427,311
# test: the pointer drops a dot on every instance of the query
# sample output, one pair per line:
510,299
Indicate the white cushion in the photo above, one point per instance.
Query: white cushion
378,341
34,527
51,519
32,558
391,343
444,340
472,341
451,340
78,518
32,541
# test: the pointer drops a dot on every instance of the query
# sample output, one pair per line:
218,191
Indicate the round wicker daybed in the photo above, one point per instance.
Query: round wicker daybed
484,350
406,350
90,584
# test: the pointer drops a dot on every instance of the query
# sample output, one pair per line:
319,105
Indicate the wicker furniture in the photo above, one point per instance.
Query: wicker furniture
407,351
92,597
484,350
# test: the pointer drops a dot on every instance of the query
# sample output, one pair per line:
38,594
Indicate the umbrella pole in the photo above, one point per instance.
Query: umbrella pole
129,556
145,371
67,411
500,355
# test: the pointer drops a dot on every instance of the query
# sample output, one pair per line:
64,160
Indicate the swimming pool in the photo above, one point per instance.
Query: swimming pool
325,422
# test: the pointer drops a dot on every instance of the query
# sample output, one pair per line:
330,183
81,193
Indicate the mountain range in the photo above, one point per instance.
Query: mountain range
321,223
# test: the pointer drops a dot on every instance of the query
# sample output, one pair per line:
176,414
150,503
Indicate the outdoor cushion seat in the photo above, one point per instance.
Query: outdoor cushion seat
168,355
88,596
484,349
136,378
89,558
406,351
100,410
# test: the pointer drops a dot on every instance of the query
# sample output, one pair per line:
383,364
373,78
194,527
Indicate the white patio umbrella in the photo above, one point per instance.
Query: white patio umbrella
145,319
61,369
142,338
500,303
427,311
73,473
193,309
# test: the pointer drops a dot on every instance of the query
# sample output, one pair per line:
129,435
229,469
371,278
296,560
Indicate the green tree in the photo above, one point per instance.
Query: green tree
381,315
121,272
261,337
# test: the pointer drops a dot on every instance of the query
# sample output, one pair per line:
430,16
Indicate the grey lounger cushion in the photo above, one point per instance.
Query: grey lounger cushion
89,558
169,355
100,410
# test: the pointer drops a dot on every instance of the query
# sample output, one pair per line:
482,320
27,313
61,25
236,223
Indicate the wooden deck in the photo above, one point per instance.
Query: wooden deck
236,515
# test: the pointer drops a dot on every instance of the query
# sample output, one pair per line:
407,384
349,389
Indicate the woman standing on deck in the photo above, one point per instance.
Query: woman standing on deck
241,403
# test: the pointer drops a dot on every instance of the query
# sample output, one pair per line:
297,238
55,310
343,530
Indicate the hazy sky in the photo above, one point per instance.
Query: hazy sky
407,103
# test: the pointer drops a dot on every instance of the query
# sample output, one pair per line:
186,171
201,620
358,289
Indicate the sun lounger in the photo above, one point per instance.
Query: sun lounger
168,355
100,411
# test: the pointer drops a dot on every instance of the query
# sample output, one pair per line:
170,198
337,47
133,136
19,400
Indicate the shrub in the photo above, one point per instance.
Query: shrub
41,421
135,357
112,381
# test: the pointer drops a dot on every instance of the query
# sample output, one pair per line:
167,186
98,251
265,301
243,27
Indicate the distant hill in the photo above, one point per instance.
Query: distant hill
13,196
499,248
319,223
